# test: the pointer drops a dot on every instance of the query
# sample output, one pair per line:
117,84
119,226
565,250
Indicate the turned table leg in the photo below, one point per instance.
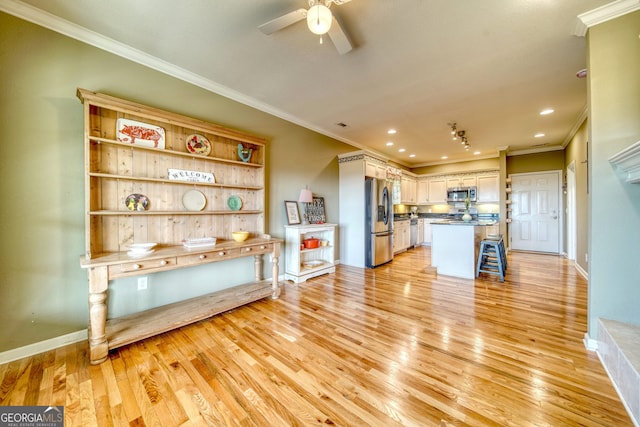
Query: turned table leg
274,273
98,284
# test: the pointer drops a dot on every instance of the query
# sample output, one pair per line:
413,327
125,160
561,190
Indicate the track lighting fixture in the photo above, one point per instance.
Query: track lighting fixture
462,134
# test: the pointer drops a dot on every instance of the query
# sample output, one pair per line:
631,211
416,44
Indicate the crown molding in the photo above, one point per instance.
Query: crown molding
604,13
628,160
47,20
536,150
581,118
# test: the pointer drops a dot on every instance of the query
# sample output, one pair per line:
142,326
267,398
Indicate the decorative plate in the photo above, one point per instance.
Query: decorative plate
136,202
139,133
198,144
234,203
194,200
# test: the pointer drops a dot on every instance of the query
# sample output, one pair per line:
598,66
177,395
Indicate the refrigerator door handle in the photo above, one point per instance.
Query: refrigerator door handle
385,203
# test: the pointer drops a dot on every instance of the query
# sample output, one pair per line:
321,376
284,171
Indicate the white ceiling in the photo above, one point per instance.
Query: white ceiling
417,65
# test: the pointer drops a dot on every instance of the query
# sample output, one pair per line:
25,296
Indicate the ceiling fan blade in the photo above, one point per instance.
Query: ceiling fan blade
283,21
339,38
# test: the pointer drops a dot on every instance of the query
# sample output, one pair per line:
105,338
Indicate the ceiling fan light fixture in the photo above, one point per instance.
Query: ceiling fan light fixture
319,19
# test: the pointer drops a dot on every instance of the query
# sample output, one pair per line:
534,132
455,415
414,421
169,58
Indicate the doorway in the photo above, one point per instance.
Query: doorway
536,214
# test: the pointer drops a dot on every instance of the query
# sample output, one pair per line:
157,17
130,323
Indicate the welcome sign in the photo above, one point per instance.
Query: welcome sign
190,176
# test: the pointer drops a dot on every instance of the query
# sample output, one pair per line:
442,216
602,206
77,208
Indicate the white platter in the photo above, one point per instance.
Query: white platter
194,200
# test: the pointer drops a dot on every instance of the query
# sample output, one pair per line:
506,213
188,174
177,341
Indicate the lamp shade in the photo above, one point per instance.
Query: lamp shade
319,19
306,196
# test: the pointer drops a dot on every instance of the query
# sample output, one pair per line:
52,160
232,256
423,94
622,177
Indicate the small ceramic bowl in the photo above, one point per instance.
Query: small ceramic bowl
240,236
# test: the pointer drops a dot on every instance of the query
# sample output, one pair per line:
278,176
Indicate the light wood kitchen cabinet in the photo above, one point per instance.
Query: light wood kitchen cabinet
408,190
401,236
156,176
423,191
304,263
375,169
426,237
488,188
437,190
420,237
461,181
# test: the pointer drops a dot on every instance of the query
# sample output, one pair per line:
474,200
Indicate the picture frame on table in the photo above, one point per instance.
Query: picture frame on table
293,213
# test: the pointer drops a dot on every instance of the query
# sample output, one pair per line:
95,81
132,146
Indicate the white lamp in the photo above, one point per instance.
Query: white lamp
306,197
319,19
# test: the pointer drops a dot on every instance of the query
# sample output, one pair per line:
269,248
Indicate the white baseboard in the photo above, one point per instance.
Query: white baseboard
590,343
42,346
581,271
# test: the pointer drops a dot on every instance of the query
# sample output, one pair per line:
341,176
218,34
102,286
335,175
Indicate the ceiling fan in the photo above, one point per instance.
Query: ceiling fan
320,21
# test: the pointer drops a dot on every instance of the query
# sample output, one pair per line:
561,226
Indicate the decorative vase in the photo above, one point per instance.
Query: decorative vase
466,217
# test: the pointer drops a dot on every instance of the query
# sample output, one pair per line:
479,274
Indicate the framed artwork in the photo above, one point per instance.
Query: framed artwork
293,214
315,211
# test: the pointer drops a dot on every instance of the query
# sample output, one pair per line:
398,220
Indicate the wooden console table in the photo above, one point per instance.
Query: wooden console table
109,334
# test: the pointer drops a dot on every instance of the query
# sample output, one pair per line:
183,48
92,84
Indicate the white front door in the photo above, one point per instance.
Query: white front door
535,215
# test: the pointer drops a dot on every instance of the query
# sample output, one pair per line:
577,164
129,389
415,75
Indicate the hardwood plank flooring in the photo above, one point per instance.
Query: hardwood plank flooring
397,345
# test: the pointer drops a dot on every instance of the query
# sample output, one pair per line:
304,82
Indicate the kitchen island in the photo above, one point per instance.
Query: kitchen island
455,246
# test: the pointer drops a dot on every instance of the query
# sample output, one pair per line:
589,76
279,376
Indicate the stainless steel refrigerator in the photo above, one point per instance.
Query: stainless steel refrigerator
378,222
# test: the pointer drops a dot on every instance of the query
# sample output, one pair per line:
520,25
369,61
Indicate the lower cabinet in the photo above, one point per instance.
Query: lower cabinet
492,230
401,236
314,259
426,235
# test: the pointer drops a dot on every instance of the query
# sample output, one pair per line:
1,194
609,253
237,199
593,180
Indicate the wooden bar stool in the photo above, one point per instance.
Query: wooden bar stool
492,258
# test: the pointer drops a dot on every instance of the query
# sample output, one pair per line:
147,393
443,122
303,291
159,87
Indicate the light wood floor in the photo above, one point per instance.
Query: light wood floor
392,346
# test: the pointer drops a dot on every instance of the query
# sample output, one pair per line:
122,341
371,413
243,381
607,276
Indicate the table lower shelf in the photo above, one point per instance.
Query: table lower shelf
134,327
308,273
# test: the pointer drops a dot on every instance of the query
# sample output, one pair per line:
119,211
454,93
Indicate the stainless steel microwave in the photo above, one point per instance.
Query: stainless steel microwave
458,194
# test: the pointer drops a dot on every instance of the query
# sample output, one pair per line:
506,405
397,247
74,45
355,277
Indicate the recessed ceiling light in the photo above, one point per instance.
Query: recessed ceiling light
402,150
391,131
475,153
389,143
546,111
412,155
538,135
444,157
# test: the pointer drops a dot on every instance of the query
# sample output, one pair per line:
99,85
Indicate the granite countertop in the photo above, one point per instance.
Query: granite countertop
481,223
454,219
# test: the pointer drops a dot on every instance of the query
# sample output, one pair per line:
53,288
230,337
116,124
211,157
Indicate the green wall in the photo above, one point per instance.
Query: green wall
43,290
536,162
614,117
576,152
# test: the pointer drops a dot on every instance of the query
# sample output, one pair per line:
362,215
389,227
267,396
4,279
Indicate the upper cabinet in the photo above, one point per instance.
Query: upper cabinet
423,191
437,190
488,188
375,168
408,190
461,181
